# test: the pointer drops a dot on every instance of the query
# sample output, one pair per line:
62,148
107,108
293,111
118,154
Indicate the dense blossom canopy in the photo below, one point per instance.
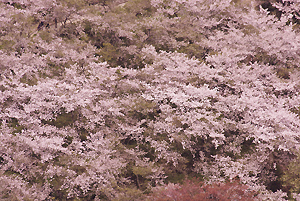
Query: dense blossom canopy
112,99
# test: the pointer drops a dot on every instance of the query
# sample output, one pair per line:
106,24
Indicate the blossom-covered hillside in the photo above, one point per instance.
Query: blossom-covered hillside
127,99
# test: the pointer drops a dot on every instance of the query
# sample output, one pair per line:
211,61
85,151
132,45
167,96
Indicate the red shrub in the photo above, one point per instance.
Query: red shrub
197,191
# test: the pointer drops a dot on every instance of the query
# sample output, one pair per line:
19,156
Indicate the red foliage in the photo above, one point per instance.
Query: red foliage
197,191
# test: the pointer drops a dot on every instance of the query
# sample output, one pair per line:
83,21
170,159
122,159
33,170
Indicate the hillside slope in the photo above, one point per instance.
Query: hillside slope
109,100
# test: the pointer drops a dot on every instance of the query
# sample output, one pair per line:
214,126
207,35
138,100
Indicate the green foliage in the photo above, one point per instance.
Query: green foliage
196,81
102,2
17,5
142,171
63,119
248,146
78,169
14,123
283,73
139,8
194,50
57,193
12,173
291,176
141,174
276,167
31,80
68,31
296,110
59,54
131,60
149,151
53,69
128,194
99,36
205,145
7,102
110,54
46,36
116,56
159,38
2,88
263,57
129,142
268,4
77,4
249,29
7,45
174,175
138,175
67,141
83,134
143,109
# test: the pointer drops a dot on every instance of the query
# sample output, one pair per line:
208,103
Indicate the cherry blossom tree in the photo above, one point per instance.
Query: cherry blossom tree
111,100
